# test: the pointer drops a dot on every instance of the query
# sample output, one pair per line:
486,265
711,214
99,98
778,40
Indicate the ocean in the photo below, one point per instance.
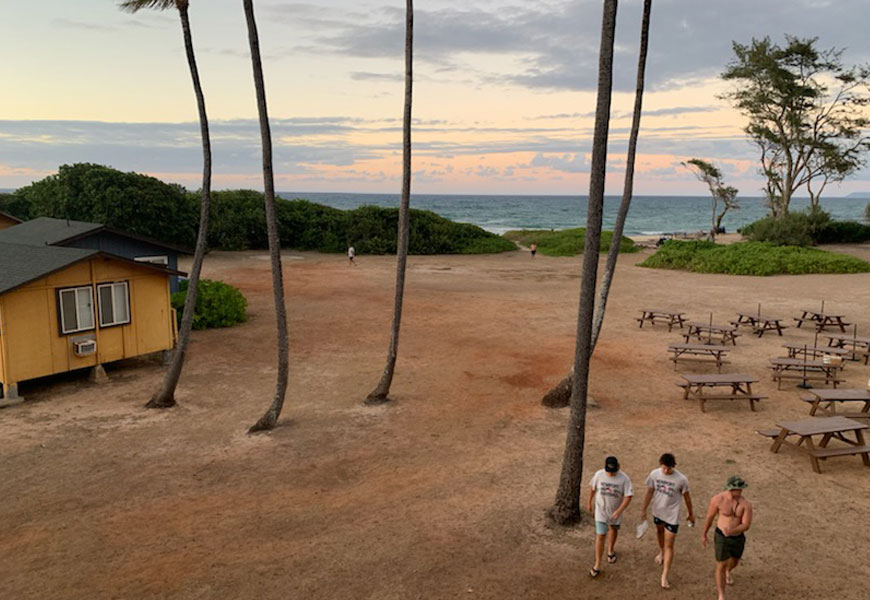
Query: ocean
649,215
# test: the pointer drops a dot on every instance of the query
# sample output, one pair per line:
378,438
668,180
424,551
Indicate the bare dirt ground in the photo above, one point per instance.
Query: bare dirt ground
441,493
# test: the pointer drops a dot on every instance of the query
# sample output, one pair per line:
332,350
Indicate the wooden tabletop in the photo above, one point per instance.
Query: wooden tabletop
827,395
663,311
817,349
708,347
820,313
757,317
817,425
720,378
708,327
798,362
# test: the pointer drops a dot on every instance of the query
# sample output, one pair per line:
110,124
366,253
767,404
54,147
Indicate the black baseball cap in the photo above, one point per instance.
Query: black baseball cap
611,465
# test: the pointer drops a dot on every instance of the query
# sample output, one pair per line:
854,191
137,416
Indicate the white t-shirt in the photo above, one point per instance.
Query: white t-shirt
609,494
351,252
667,500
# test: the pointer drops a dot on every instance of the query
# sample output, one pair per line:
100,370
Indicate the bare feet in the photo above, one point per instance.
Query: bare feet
729,578
665,584
659,558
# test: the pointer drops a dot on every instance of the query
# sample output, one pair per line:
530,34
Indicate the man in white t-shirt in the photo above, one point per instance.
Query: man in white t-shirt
666,489
351,254
610,493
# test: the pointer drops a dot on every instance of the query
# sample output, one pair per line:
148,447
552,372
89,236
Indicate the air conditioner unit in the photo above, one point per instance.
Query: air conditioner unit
85,347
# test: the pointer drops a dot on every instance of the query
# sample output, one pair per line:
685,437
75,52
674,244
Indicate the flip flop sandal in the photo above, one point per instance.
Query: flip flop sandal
593,572
611,558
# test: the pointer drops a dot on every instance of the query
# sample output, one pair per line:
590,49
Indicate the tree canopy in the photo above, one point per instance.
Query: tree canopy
807,114
726,194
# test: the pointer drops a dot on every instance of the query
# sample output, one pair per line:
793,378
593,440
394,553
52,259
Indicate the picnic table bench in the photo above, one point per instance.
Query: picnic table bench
857,346
660,315
738,386
827,427
805,371
830,399
822,320
814,352
759,323
698,353
705,331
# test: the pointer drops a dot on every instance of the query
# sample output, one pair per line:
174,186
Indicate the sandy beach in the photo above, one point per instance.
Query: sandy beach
441,493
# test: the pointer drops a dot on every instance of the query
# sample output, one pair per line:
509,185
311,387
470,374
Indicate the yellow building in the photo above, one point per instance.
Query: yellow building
7,221
63,309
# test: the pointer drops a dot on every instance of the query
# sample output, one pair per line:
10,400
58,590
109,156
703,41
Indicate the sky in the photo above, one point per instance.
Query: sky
504,91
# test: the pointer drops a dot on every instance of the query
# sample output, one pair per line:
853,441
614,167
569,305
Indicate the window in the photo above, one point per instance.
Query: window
76,309
114,301
156,260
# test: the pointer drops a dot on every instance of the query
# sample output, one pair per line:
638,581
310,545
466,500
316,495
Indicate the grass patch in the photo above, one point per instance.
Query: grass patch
751,258
565,242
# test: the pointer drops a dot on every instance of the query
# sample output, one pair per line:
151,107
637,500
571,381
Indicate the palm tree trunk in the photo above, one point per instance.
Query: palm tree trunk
165,396
559,395
566,508
270,418
381,392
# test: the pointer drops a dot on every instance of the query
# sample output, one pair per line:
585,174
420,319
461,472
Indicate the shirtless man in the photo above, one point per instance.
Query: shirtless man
734,518
667,488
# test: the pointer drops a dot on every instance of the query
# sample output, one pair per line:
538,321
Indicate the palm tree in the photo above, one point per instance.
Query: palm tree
560,395
566,508
381,392
270,418
165,396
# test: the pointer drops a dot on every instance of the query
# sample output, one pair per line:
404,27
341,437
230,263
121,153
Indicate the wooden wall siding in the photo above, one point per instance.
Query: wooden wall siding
7,222
32,341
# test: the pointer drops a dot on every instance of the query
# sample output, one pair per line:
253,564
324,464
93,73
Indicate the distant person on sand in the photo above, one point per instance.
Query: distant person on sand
610,492
351,253
666,489
734,518
533,248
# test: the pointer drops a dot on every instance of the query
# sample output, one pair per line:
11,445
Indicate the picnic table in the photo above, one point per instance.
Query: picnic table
738,386
705,331
805,371
759,323
698,353
821,319
830,398
660,315
860,346
828,428
813,352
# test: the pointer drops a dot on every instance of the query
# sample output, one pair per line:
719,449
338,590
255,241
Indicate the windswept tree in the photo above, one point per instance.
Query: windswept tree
807,114
381,392
721,194
566,508
270,417
560,395
165,396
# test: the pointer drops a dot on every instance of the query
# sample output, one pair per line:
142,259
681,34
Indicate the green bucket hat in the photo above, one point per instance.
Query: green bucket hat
736,482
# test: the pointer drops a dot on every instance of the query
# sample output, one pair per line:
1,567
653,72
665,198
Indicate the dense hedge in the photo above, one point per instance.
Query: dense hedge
751,258
218,304
805,228
565,242
238,223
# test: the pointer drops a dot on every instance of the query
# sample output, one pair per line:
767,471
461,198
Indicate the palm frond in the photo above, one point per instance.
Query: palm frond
133,6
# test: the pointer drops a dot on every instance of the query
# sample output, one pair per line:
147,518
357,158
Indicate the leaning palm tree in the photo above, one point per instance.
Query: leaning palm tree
566,508
165,396
559,396
270,418
381,392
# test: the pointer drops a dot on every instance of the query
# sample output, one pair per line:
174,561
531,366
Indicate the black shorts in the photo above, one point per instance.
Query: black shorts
728,546
672,528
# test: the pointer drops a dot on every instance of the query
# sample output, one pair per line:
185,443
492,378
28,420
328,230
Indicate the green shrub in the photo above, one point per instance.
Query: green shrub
217,304
751,258
565,242
843,232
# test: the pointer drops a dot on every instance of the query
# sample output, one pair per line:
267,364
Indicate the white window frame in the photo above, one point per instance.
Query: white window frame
114,286
155,260
75,293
